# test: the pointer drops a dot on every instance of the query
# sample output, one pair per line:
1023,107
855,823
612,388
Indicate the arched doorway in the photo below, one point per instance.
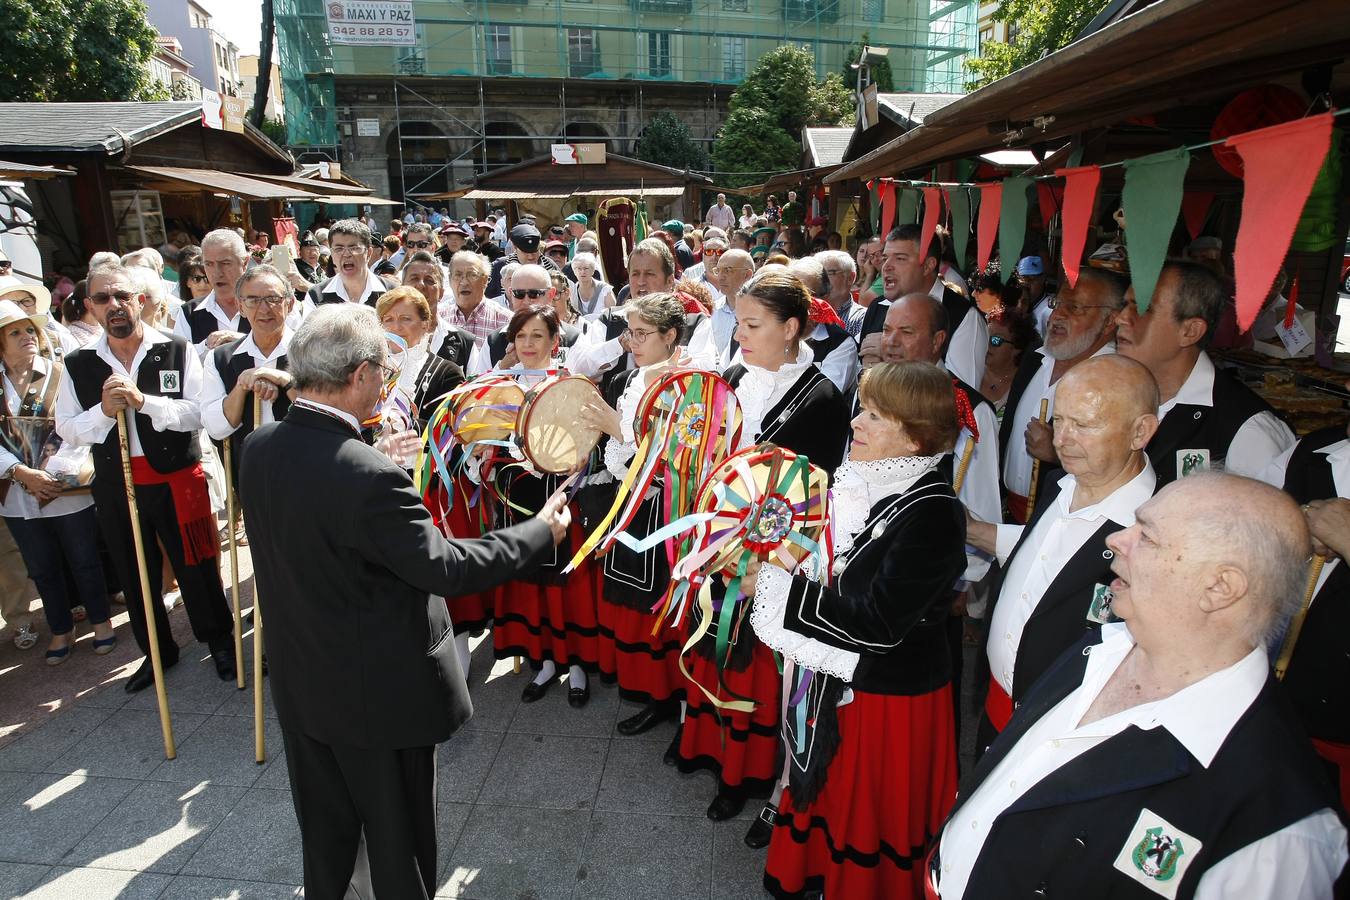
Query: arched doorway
507,144
420,169
585,133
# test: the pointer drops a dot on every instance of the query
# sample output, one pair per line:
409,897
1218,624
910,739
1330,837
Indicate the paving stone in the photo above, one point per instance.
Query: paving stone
636,779
15,878
187,887
450,820
463,763
44,820
126,745
63,883
221,751
495,698
738,871
275,777
516,854
156,828
40,747
545,772
646,855
258,841
553,715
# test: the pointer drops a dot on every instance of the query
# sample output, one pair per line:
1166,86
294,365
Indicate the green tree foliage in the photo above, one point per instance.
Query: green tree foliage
59,50
751,141
667,142
768,111
880,69
1043,26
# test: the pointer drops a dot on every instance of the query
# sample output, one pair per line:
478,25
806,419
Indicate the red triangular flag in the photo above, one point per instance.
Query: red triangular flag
1293,303
1195,209
991,200
1050,198
932,206
1280,164
887,207
1080,194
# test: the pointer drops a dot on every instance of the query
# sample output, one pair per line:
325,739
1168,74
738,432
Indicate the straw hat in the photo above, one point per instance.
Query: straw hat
11,312
10,285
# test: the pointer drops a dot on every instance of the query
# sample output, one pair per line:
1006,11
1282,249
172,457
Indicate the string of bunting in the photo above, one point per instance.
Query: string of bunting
1280,164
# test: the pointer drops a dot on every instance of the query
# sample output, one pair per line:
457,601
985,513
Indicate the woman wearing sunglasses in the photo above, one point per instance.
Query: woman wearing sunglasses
1011,333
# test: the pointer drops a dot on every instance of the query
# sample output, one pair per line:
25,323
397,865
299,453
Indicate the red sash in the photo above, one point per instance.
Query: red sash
191,503
1017,508
998,706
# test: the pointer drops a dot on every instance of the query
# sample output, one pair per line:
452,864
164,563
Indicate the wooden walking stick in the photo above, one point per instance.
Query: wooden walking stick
234,566
259,739
1296,623
152,631
1036,464
961,470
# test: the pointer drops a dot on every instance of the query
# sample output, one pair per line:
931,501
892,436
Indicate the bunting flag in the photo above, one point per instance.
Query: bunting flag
1080,195
1012,226
874,204
887,208
991,199
932,208
1292,308
1279,165
958,205
1152,200
1195,210
1050,199
907,207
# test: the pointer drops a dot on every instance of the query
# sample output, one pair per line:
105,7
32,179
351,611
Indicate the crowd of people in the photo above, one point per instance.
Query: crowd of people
1037,470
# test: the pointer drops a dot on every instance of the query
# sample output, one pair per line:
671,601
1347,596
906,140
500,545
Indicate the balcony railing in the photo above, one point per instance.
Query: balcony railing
670,7
811,10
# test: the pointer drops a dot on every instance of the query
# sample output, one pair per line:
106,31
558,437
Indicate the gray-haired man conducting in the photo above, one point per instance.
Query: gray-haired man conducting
351,572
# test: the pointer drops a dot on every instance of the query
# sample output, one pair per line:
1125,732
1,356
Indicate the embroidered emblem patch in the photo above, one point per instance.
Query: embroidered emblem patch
1099,610
170,382
1190,461
1156,854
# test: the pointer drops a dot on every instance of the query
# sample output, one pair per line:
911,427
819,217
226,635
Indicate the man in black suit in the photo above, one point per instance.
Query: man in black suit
352,571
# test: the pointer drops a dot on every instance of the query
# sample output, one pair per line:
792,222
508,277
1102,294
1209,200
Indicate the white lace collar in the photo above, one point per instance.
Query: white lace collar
859,486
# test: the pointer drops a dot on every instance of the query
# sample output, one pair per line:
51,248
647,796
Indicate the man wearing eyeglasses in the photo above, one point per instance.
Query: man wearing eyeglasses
254,364
1081,326
530,286
349,242
157,380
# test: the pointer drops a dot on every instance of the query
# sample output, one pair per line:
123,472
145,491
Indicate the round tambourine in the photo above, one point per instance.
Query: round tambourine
764,501
548,426
684,404
485,409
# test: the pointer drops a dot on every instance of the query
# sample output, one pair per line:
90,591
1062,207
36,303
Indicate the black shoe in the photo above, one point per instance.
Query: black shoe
757,838
672,755
145,675
726,805
649,717
225,662
577,697
534,691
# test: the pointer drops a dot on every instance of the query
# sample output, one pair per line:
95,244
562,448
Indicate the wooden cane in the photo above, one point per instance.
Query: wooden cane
1036,463
152,631
234,567
1296,623
259,739
966,454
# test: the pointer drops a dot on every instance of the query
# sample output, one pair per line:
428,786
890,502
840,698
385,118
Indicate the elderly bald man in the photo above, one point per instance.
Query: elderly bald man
732,271
1155,757
1057,567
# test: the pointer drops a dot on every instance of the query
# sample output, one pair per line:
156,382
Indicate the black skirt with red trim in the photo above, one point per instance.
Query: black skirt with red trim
646,666
552,621
887,791
469,613
742,749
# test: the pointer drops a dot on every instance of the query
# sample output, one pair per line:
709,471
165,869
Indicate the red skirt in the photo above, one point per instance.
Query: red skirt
550,621
741,748
645,665
887,791
469,613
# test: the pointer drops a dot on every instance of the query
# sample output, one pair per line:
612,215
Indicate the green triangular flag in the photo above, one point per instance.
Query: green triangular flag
906,205
958,202
1152,201
1012,224
874,205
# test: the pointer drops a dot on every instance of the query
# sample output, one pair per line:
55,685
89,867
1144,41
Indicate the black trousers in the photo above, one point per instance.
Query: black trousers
339,791
203,594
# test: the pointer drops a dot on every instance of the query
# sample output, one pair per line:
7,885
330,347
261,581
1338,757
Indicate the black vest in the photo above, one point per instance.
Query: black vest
456,347
953,302
203,324
1211,428
1319,672
230,366
821,348
318,296
1062,837
1026,371
166,451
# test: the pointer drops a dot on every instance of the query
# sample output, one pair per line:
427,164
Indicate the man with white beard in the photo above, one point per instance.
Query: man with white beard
1081,326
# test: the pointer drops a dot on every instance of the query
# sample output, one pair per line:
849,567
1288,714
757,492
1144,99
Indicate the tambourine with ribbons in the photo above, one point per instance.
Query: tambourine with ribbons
686,423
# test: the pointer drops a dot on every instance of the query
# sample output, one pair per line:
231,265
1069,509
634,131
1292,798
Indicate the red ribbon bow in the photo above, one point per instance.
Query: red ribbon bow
823,313
691,304
965,414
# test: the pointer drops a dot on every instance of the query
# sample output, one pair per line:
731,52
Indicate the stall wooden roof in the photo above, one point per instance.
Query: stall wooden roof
539,178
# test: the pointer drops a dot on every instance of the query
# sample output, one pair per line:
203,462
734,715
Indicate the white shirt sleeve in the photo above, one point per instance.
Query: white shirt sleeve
968,347
212,402
77,425
1275,473
596,356
980,489
702,348
1299,862
169,414
842,366
1260,440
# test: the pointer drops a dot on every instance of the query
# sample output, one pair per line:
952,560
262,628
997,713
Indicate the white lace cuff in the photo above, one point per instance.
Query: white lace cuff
766,617
617,457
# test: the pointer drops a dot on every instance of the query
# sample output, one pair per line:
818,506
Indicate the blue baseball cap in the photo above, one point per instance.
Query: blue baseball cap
1030,265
